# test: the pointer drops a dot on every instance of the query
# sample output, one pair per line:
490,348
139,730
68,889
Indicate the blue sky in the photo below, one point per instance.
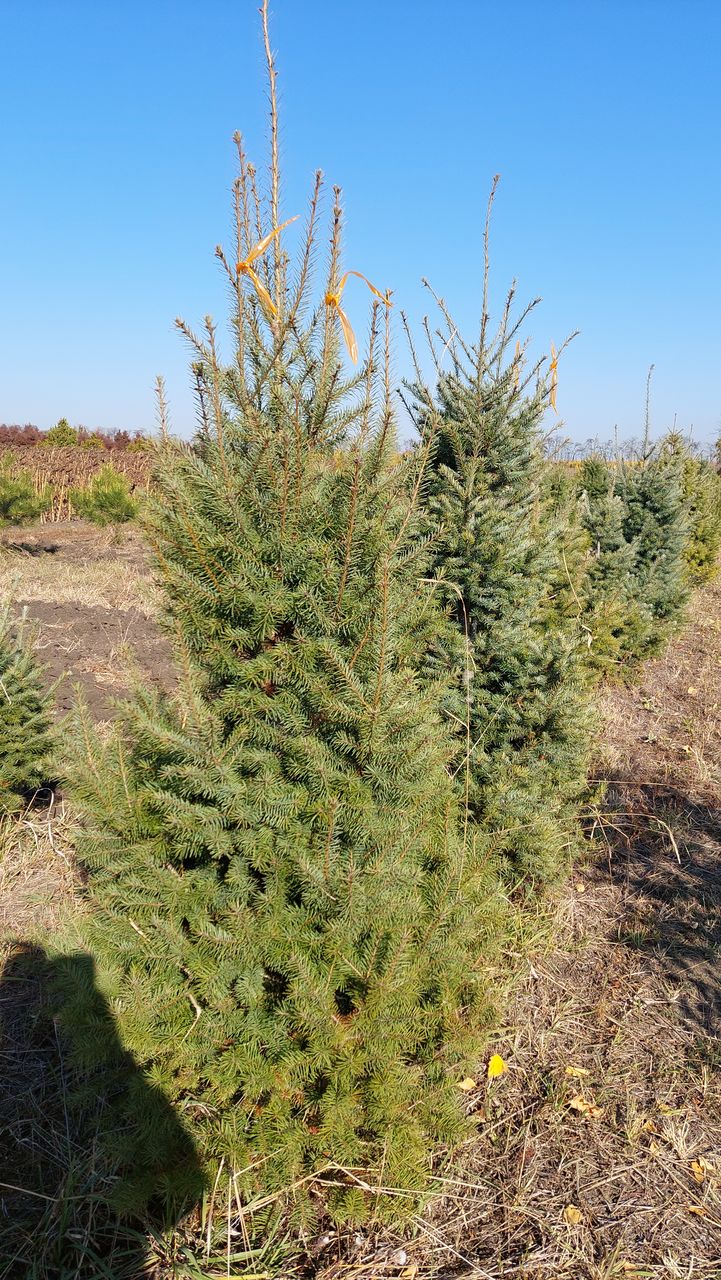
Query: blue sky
602,118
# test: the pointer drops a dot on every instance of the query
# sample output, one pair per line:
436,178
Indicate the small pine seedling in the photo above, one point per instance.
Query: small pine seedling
25,722
20,502
106,500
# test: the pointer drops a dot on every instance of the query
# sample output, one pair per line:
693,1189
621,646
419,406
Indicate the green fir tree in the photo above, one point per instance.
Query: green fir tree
520,705
290,929
701,487
656,524
61,436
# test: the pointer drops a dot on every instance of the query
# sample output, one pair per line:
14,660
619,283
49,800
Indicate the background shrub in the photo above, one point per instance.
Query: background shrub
106,499
61,435
637,520
20,501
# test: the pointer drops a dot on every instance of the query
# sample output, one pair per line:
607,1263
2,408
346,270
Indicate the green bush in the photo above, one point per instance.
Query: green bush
25,726
106,500
284,915
61,435
19,501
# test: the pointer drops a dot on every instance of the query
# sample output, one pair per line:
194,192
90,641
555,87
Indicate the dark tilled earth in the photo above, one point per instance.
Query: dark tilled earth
99,652
88,648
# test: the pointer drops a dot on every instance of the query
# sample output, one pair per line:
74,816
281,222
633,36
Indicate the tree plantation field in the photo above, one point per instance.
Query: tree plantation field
594,1153
359,804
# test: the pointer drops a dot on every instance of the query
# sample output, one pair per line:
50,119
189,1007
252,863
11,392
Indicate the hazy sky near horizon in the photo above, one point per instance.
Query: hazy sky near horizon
601,116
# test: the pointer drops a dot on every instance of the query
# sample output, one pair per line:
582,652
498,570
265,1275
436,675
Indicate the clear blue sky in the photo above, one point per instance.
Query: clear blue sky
602,116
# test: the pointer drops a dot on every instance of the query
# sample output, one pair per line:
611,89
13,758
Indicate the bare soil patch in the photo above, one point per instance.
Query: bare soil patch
91,594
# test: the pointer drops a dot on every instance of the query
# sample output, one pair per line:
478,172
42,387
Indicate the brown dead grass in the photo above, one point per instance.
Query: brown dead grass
37,873
77,563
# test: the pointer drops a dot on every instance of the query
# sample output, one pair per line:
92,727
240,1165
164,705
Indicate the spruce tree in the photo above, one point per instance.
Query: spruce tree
701,488
25,717
639,519
520,704
656,523
284,917
619,620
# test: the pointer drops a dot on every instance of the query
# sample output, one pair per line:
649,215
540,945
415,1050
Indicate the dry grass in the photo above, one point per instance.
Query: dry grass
85,566
92,599
37,873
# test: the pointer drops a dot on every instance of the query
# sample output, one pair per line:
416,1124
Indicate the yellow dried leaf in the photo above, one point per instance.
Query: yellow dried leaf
697,1208
410,1273
580,887
665,1109
699,1169
654,1149
577,1071
468,1084
586,1108
649,1127
496,1066
572,1215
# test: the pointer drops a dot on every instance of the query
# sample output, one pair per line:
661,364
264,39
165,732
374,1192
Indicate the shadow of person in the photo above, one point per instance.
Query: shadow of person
91,1153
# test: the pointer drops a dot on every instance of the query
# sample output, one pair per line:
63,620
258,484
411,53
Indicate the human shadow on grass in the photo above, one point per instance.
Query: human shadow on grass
664,853
91,1153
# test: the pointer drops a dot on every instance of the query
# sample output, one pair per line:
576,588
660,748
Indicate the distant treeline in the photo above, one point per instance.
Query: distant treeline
63,435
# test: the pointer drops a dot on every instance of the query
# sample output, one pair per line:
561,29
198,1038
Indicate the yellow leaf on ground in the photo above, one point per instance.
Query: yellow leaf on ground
699,1169
665,1109
572,1215
496,1066
697,1208
577,1071
654,1149
468,1084
586,1108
